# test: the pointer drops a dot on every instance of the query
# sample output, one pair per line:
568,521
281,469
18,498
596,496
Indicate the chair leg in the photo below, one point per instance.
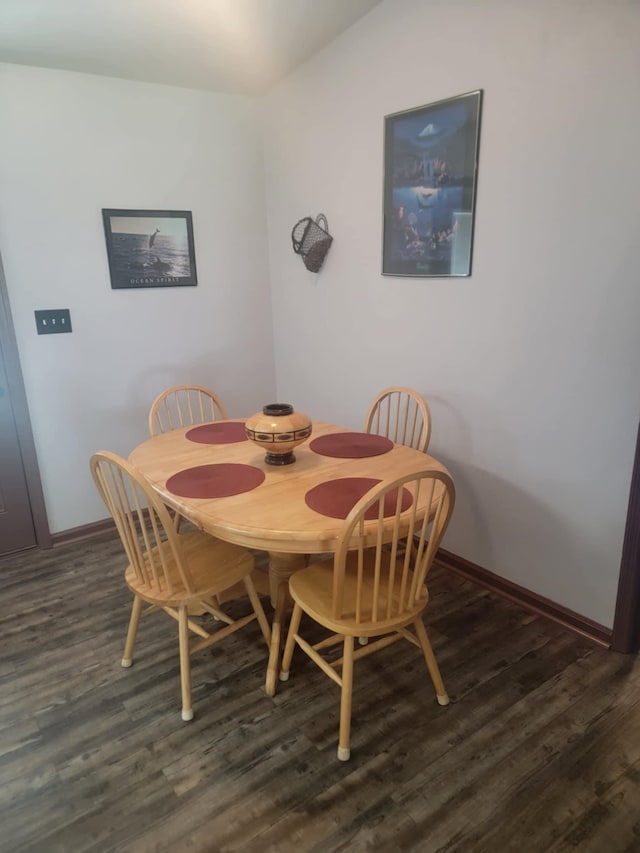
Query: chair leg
258,610
344,751
136,608
294,627
185,663
432,666
216,601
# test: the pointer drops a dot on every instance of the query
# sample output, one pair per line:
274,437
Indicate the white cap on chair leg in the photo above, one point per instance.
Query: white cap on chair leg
344,754
443,700
187,714
284,676
126,662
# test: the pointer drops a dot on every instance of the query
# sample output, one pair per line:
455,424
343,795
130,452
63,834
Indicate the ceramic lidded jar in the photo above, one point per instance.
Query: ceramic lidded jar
278,429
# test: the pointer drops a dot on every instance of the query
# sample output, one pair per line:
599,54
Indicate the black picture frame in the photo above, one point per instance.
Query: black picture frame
150,248
430,175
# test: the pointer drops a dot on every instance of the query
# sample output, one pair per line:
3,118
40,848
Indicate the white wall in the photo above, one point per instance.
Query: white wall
530,365
72,144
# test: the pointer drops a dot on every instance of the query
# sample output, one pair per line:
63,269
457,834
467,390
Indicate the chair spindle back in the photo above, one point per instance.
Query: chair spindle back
143,522
184,405
402,415
388,575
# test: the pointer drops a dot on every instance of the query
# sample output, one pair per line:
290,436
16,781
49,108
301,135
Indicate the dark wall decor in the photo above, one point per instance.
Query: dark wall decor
150,248
626,624
311,240
430,166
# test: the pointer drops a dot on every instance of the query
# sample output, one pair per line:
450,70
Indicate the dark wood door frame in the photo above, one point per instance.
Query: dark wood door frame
21,414
626,625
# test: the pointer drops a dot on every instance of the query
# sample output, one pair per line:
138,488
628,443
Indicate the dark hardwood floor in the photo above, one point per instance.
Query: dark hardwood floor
538,751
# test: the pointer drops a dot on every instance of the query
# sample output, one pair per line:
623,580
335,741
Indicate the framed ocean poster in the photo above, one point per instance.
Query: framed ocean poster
430,169
150,248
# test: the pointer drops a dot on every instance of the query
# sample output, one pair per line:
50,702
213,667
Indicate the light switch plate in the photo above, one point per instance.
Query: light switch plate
53,322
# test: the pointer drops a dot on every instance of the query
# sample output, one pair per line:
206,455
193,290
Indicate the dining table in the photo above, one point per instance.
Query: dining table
212,475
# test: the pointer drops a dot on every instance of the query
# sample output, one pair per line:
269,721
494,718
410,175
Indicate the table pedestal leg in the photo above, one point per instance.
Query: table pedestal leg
281,567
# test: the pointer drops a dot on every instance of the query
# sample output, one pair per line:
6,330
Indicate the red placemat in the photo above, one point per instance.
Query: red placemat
336,498
351,445
222,433
215,481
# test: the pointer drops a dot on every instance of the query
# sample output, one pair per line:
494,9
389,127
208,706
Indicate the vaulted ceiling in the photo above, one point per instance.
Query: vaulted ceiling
234,46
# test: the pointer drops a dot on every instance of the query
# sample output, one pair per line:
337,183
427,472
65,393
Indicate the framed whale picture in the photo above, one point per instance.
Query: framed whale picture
430,168
150,248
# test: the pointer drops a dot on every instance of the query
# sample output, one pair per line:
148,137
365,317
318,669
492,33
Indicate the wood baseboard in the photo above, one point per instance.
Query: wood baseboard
526,598
85,531
465,568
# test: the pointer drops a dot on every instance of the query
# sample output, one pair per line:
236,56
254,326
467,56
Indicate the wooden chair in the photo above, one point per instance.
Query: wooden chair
183,405
372,590
402,415
171,571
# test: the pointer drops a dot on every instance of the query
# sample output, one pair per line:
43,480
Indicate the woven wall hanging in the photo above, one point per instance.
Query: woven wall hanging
311,240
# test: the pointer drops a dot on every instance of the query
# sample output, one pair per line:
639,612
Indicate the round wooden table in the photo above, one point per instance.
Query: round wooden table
272,515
